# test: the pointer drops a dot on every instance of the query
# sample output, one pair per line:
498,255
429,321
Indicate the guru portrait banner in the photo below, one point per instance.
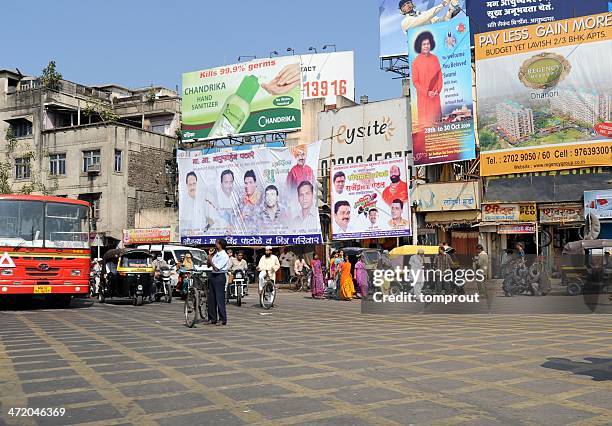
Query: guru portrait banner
397,17
260,96
370,200
264,196
441,92
544,96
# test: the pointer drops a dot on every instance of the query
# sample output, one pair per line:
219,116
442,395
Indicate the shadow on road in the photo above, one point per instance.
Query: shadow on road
600,369
24,303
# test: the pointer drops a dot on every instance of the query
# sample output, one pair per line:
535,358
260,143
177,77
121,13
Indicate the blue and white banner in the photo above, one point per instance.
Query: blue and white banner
261,196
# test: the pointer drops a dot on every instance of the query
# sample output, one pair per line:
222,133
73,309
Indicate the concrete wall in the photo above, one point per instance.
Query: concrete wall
159,218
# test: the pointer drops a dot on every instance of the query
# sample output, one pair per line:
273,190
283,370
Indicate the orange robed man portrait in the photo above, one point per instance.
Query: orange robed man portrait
398,189
427,79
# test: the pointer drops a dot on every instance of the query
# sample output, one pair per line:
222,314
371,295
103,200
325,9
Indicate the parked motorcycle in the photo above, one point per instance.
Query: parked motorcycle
520,279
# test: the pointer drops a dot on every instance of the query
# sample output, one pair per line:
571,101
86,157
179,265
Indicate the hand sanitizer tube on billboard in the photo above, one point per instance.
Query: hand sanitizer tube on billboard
236,109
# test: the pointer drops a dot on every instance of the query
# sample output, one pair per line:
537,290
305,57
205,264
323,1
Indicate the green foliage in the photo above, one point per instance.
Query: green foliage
50,78
103,110
488,140
150,96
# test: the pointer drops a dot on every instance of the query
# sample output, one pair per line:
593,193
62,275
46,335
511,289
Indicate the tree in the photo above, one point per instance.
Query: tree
50,78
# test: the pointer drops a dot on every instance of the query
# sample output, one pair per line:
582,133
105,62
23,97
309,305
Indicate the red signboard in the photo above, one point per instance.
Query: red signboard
146,236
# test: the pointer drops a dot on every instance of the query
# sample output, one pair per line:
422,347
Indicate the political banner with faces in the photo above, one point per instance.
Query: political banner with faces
261,196
370,200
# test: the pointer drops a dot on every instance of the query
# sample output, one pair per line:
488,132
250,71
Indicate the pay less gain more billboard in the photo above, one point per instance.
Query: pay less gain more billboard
260,96
545,96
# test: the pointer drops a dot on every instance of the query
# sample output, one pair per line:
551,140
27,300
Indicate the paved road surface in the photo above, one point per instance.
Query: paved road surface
304,362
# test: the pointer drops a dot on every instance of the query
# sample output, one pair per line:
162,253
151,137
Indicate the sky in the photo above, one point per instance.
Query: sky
136,43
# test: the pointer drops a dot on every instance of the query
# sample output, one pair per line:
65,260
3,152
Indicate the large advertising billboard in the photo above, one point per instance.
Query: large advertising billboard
263,196
367,132
263,95
396,18
545,96
370,200
328,75
487,15
441,92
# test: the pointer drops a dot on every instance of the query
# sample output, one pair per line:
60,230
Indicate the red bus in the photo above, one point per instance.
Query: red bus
44,247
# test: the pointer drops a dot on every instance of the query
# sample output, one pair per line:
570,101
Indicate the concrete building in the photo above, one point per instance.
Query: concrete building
584,106
514,121
108,145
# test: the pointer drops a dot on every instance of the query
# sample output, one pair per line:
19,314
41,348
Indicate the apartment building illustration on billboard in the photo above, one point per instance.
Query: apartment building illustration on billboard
587,107
514,121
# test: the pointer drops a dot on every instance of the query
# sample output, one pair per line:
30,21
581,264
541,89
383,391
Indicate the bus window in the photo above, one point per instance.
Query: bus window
21,223
66,226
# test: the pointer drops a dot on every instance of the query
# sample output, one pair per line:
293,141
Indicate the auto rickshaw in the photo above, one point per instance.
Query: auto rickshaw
586,267
128,274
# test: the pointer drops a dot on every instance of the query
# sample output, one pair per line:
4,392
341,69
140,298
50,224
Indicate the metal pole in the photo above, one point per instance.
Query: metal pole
537,239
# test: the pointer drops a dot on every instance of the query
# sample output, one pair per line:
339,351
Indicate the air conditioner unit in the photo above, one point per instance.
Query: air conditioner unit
93,169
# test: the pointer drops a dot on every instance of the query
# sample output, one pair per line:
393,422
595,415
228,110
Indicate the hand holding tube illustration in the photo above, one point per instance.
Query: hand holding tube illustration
285,80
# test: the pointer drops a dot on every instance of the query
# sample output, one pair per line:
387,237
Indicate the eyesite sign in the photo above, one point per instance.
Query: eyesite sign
260,96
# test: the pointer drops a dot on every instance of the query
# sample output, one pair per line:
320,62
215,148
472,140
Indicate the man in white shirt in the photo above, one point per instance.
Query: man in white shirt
219,261
286,259
300,264
268,265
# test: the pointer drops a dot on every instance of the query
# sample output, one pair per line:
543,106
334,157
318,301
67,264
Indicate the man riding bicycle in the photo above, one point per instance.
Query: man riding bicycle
300,267
267,267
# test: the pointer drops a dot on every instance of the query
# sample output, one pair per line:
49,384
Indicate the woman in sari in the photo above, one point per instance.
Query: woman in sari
316,286
361,276
347,288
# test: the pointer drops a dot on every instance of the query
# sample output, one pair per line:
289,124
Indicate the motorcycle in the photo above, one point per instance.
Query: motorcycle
238,288
520,279
163,286
94,283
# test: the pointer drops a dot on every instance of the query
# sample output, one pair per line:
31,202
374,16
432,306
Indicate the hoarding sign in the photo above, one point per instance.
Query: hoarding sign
441,92
496,212
370,200
368,132
146,236
518,228
395,22
561,213
599,203
436,197
487,15
264,196
544,99
328,75
260,96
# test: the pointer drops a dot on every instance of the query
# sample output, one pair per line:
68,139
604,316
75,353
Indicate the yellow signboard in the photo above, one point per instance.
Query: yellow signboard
543,159
528,212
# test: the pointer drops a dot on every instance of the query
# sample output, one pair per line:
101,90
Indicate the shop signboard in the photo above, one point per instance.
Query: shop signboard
544,96
517,228
599,203
328,75
370,200
260,96
441,92
396,18
560,213
146,236
263,196
504,212
373,131
453,196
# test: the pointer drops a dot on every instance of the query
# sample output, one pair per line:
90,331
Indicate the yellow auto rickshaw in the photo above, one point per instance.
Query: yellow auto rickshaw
128,274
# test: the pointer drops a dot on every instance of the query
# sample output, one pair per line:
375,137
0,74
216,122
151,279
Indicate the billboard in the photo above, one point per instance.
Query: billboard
367,132
327,75
448,196
264,196
599,203
146,236
441,92
395,21
370,200
260,96
487,15
545,96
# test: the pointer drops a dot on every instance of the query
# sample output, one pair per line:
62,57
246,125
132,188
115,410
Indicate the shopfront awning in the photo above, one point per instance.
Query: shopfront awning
453,217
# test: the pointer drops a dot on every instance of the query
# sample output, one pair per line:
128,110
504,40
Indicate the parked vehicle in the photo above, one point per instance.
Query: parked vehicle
238,288
129,275
163,285
586,267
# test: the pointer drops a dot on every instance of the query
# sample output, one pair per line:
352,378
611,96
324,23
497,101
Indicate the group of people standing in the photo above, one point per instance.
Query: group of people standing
341,282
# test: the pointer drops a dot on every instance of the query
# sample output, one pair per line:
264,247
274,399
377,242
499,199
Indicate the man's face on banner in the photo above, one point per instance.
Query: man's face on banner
192,185
227,184
339,184
300,156
343,216
373,216
249,185
305,197
396,211
271,198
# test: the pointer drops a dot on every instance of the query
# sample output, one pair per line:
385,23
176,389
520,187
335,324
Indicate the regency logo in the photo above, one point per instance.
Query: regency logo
384,127
544,70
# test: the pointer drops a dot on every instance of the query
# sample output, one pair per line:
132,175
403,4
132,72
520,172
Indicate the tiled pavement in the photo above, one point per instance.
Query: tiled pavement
304,362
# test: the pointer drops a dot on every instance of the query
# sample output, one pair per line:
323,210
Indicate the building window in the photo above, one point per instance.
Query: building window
22,168
90,158
57,164
118,159
21,127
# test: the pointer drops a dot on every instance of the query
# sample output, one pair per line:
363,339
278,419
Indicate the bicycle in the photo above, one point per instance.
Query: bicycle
268,293
300,282
197,297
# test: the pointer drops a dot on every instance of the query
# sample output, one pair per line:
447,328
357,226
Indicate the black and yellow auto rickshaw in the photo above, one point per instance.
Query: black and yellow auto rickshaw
586,267
127,274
